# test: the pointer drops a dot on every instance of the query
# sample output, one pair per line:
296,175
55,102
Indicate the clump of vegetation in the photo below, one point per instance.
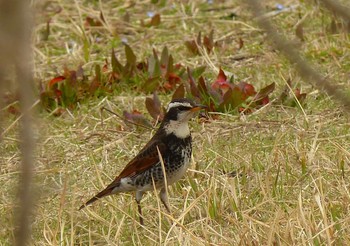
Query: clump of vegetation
271,168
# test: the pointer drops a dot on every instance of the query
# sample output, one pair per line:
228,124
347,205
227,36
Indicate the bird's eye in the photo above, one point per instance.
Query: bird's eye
183,108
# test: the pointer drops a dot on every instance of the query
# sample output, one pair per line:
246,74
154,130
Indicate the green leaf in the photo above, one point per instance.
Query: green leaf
198,71
130,56
98,72
68,95
154,67
199,39
164,57
170,66
231,100
116,66
151,84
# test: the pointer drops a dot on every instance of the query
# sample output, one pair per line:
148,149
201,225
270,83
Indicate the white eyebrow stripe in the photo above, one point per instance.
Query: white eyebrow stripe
176,104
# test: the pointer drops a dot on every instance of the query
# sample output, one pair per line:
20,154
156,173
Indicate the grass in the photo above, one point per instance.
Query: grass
292,163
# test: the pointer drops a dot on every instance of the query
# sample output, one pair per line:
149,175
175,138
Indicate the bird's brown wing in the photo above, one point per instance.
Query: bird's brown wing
147,157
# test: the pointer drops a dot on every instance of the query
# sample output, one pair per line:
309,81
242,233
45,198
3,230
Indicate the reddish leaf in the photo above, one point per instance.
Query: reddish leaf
116,66
199,39
56,80
299,31
208,41
179,92
240,43
112,76
14,109
173,78
89,21
245,110
300,96
164,58
167,86
221,82
72,78
142,66
96,82
155,54
221,77
202,87
178,66
58,93
213,108
105,67
59,111
287,98
247,89
265,100
192,47
155,21
153,106
170,64
193,87
264,92
94,85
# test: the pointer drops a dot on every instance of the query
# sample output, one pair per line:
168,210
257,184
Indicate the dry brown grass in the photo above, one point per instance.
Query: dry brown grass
292,186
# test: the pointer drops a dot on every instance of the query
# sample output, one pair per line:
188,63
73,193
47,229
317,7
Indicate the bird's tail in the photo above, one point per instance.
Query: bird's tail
105,192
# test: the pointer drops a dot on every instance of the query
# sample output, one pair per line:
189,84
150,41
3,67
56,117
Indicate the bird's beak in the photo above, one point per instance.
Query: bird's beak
198,107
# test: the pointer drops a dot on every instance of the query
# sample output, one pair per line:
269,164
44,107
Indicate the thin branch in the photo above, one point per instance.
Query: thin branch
15,50
307,72
124,119
339,9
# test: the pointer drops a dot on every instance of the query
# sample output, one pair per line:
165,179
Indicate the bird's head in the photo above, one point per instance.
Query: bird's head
178,113
182,110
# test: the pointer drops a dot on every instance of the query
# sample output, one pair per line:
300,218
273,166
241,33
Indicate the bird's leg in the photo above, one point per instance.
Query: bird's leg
139,195
164,198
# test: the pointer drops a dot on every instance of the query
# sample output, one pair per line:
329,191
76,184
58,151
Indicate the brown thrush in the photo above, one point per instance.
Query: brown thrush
171,147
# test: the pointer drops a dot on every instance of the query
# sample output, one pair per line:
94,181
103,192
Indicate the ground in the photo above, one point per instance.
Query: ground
277,176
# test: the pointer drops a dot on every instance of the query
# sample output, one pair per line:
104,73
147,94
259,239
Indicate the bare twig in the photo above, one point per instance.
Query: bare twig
15,49
25,80
124,119
304,68
336,7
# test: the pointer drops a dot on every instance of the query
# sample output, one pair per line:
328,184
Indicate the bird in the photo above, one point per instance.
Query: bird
168,152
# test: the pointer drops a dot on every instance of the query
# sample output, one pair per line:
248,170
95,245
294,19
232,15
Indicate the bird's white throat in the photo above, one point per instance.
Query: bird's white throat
178,128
